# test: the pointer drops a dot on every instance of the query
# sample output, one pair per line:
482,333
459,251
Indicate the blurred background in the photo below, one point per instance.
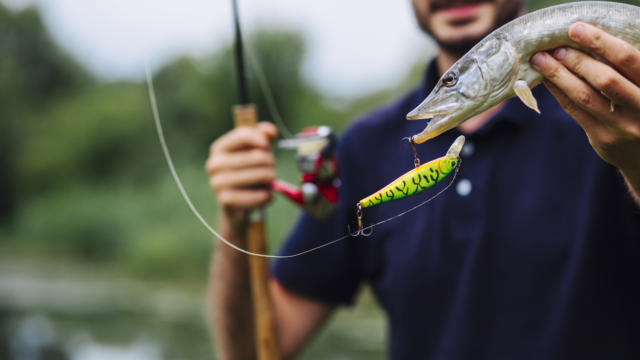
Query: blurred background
99,256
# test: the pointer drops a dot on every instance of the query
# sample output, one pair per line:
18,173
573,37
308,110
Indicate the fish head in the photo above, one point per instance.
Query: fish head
460,91
476,82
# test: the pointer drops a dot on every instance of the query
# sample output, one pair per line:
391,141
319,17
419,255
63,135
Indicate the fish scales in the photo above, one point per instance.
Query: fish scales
547,28
498,67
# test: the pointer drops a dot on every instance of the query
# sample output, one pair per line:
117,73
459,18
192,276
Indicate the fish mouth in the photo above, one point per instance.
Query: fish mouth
443,110
421,113
435,127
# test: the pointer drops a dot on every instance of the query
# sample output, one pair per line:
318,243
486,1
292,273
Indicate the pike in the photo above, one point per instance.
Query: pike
498,68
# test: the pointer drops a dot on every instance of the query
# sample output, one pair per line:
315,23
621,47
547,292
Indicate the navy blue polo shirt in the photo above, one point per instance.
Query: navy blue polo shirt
532,253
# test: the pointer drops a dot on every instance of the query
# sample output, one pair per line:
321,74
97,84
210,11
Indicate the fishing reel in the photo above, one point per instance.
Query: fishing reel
318,166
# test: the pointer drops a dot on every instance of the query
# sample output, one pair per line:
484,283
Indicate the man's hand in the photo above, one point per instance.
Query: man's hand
589,90
241,168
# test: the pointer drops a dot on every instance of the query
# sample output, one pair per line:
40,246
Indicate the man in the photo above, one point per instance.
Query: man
532,254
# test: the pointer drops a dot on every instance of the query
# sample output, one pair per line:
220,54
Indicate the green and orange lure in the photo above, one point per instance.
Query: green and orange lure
415,181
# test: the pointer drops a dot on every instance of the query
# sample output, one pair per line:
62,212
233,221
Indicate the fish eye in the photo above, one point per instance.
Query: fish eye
450,79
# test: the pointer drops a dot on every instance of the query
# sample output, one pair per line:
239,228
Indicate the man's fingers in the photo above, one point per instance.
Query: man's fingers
241,167
615,86
618,52
244,178
268,129
239,160
577,90
243,198
583,118
242,137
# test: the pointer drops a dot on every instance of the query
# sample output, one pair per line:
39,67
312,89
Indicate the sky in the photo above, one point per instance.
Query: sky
354,46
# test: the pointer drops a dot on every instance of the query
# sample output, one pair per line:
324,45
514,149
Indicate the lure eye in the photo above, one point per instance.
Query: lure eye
450,79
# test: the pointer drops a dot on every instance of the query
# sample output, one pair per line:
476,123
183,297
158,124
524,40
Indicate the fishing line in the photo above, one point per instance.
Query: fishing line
266,90
187,199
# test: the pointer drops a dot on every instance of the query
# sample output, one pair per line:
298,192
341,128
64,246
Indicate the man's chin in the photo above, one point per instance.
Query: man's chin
459,47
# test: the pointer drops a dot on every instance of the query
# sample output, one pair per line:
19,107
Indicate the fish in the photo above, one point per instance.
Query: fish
498,67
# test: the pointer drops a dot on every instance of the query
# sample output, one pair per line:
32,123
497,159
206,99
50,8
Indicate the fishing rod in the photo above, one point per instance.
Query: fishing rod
245,113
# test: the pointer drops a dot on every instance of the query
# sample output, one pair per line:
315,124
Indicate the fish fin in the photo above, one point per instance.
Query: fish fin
524,93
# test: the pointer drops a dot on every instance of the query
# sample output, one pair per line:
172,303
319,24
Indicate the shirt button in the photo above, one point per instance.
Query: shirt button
463,188
468,149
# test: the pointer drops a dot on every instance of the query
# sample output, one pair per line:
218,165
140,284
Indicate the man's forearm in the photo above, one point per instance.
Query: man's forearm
230,296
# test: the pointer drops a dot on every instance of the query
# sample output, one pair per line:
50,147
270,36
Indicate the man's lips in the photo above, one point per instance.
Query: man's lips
460,13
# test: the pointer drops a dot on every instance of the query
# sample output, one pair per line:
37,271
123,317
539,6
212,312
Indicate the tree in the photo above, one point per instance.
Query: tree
33,72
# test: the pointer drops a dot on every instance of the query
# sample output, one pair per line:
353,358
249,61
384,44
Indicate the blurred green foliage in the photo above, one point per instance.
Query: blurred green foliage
83,174
33,72
84,177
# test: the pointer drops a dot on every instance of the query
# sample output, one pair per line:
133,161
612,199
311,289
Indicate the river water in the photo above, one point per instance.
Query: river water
74,315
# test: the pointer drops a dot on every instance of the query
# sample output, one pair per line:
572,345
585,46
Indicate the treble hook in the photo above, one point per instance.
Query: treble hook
361,230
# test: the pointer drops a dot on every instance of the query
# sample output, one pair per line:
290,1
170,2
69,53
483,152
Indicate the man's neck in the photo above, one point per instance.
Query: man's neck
444,61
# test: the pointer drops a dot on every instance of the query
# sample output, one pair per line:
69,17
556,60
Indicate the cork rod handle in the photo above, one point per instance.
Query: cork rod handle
266,342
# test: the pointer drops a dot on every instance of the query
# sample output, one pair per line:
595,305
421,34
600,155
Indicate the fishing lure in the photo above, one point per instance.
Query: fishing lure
418,179
415,181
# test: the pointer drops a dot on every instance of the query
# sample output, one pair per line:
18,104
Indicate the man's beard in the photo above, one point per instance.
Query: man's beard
460,47
507,12
446,4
